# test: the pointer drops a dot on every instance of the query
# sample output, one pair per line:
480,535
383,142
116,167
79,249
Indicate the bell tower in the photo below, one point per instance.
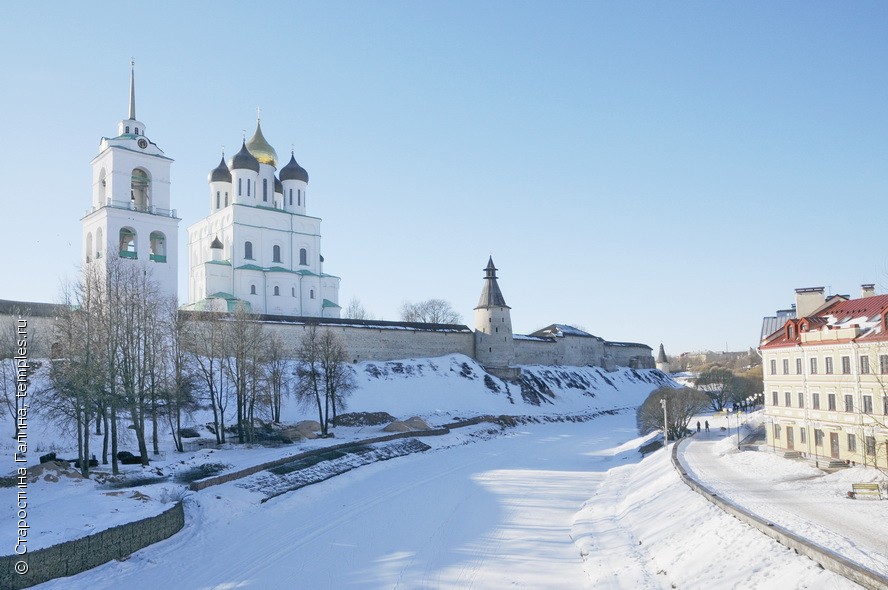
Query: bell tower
130,215
494,345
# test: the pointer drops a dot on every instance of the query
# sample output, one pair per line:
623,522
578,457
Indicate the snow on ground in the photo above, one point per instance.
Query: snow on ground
796,495
63,507
541,506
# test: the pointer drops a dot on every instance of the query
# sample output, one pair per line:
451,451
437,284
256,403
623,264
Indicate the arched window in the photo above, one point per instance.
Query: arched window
102,184
311,294
126,130
89,246
248,250
252,289
291,197
303,256
277,290
158,247
139,195
265,189
128,243
137,130
100,243
226,198
240,187
299,197
248,187
293,291
276,253
218,199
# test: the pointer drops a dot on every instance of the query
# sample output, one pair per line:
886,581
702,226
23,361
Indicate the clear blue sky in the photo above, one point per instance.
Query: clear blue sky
650,171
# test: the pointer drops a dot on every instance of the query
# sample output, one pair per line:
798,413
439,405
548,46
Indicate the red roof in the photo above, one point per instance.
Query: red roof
843,311
868,307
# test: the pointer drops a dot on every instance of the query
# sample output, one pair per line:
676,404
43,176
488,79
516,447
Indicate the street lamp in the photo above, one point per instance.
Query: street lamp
665,424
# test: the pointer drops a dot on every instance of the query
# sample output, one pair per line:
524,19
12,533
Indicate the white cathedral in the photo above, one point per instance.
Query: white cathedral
257,245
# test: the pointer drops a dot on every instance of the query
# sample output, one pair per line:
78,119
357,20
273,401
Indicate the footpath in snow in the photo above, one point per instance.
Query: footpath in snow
794,494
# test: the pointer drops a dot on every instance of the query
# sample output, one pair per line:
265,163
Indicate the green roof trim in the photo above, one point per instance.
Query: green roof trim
222,262
328,303
250,267
306,273
221,295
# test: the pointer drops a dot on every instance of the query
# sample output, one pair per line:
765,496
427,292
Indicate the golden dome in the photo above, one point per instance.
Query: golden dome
261,149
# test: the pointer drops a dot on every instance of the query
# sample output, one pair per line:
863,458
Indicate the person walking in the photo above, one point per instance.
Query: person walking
698,426
707,425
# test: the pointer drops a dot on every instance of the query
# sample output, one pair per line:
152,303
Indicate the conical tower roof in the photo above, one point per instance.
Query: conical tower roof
491,296
661,356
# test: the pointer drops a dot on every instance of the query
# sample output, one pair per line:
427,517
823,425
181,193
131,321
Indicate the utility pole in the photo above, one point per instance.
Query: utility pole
665,424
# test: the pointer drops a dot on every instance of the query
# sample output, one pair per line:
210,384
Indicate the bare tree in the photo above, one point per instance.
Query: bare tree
309,375
205,342
431,311
324,378
278,377
14,371
339,380
681,405
718,384
243,364
177,391
356,311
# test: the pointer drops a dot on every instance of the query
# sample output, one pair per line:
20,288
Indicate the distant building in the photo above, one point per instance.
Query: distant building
825,376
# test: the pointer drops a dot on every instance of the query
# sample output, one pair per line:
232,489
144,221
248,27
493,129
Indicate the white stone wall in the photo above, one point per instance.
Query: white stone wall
384,344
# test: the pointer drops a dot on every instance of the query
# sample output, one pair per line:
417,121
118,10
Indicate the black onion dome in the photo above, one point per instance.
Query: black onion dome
220,173
217,244
293,171
278,187
244,160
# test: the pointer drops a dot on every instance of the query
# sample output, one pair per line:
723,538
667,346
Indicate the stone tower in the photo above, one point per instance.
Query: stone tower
494,346
130,215
662,361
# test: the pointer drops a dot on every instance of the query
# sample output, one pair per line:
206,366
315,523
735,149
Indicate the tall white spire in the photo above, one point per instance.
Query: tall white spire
132,104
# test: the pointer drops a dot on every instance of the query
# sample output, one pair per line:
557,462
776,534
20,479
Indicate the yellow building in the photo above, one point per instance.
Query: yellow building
825,377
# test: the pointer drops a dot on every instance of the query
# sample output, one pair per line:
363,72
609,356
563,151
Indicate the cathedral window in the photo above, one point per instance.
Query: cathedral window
226,198
311,294
276,254
240,187
137,130
100,243
248,187
102,186
265,189
303,256
139,185
277,290
89,246
218,198
291,197
248,250
293,291
252,289
299,197
127,129
158,247
128,243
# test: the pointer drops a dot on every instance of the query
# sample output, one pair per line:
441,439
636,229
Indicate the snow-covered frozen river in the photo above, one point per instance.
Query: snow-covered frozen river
510,512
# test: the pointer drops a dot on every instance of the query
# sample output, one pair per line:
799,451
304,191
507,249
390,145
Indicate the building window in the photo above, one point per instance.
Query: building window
311,294
846,365
248,250
801,399
248,187
849,403
137,130
293,291
773,367
277,290
240,187
798,366
813,366
276,254
776,432
883,363
127,129
831,402
803,435
303,256
787,397
128,243
828,365
299,197
774,399
867,404
818,438
265,189
870,445
139,193
885,405
864,365
291,197
157,244
815,401
786,366
852,443
218,199
252,289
